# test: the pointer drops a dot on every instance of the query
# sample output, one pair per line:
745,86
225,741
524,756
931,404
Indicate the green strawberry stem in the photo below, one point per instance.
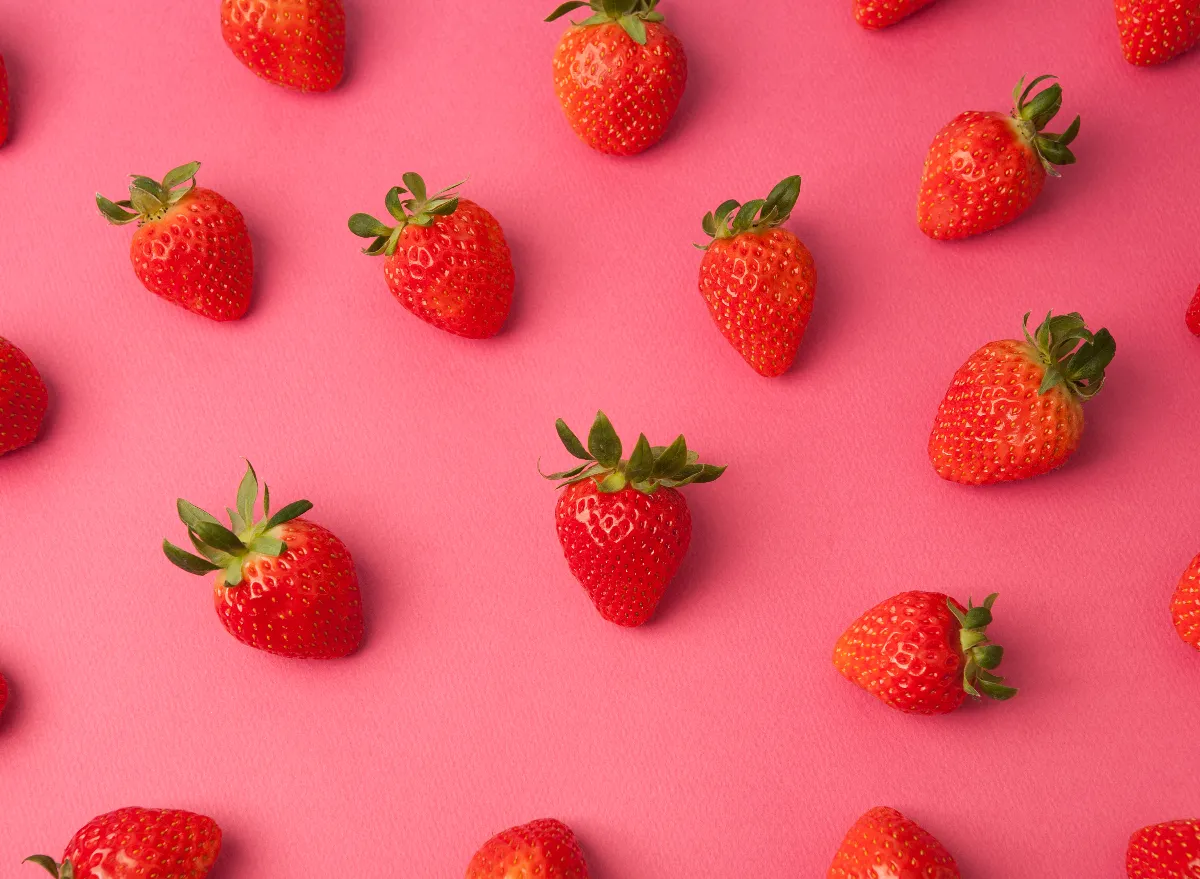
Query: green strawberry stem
1034,114
753,216
148,198
65,870
980,656
631,15
1079,368
416,211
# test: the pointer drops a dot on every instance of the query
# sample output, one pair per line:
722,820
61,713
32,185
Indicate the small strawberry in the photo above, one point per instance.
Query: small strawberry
922,652
298,44
286,585
23,398
883,844
619,74
875,14
1185,605
3,102
446,259
1193,314
1154,31
1015,408
623,526
986,169
139,843
191,247
1165,851
3,693
546,849
758,279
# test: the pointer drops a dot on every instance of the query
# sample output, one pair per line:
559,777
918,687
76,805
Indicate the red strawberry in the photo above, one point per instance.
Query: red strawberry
1185,606
546,849
286,585
1154,31
883,844
623,526
3,102
758,279
874,14
191,247
1165,851
1193,315
299,44
446,259
3,693
921,653
139,843
1015,408
619,74
23,398
986,169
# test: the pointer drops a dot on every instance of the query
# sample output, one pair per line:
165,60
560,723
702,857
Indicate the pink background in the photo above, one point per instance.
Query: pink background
717,740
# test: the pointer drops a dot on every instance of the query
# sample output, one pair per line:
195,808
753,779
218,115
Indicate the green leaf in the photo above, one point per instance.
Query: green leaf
113,212
66,870
271,546
977,618
612,483
217,535
179,175
218,558
442,207
709,225
989,656
266,500
709,473
569,6
192,515
612,8
999,692
247,494
145,203
236,522
288,513
567,474
641,461
672,460
745,217
603,442
415,185
574,446
45,862
233,573
635,27
366,226
193,564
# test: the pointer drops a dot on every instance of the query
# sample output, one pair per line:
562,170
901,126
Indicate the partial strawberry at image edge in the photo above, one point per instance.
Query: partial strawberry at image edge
877,14
546,848
4,102
884,844
1193,313
1170,850
1156,31
24,398
298,46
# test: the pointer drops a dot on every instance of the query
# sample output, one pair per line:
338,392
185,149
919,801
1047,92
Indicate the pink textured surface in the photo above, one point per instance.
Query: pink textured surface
719,739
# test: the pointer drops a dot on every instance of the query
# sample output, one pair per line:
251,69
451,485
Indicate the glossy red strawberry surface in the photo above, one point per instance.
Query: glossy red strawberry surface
874,14
883,844
545,849
1185,605
1154,31
4,102
1165,851
299,44
23,398
1193,314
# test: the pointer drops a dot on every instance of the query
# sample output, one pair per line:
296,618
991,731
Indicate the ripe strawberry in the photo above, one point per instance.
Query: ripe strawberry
3,693
286,585
1185,605
1193,315
298,44
1015,409
883,844
546,849
3,102
875,14
986,169
758,279
619,74
446,259
138,843
23,398
191,247
1165,851
623,526
921,653
1154,31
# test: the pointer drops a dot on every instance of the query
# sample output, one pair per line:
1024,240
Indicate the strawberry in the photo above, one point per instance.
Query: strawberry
3,693
1193,314
23,398
446,259
623,526
191,247
286,585
546,849
758,279
3,102
876,14
619,74
1015,408
883,844
1154,31
298,44
139,843
986,169
1185,605
1165,851
922,652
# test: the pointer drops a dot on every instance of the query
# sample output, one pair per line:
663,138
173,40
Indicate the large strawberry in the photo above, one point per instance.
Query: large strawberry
3,101
23,398
619,74
922,653
758,279
1193,314
623,525
1185,605
299,44
138,843
1015,408
883,844
1154,31
285,585
546,849
446,259
191,247
986,169
1165,851
875,14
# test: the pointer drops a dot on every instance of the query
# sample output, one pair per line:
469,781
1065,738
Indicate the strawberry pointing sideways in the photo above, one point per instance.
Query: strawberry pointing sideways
23,398
546,849
298,44
1155,31
1164,851
883,844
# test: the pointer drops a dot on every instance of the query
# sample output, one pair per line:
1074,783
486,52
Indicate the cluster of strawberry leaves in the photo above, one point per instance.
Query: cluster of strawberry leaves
148,198
753,216
980,654
631,15
419,210
1079,368
1052,149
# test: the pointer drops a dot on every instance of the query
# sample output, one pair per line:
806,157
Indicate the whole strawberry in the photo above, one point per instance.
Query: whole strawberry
619,74
623,525
1165,851
986,169
285,585
1193,314
758,279
4,109
922,653
875,14
883,844
191,247
137,844
23,398
1015,408
446,259
1154,31
546,849
298,44
1185,605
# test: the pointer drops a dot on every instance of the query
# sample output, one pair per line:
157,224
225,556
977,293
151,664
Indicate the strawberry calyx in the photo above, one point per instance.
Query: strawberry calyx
631,15
419,210
754,216
1078,368
65,870
1034,114
980,656
226,548
647,468
150,199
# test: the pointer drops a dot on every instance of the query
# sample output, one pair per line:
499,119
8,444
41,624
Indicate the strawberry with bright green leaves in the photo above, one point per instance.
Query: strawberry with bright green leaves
1170,850
1155,31
298,44
758,279
546,849
24,398
283,584
876,14
445,260
623,524
1193,313
883,844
